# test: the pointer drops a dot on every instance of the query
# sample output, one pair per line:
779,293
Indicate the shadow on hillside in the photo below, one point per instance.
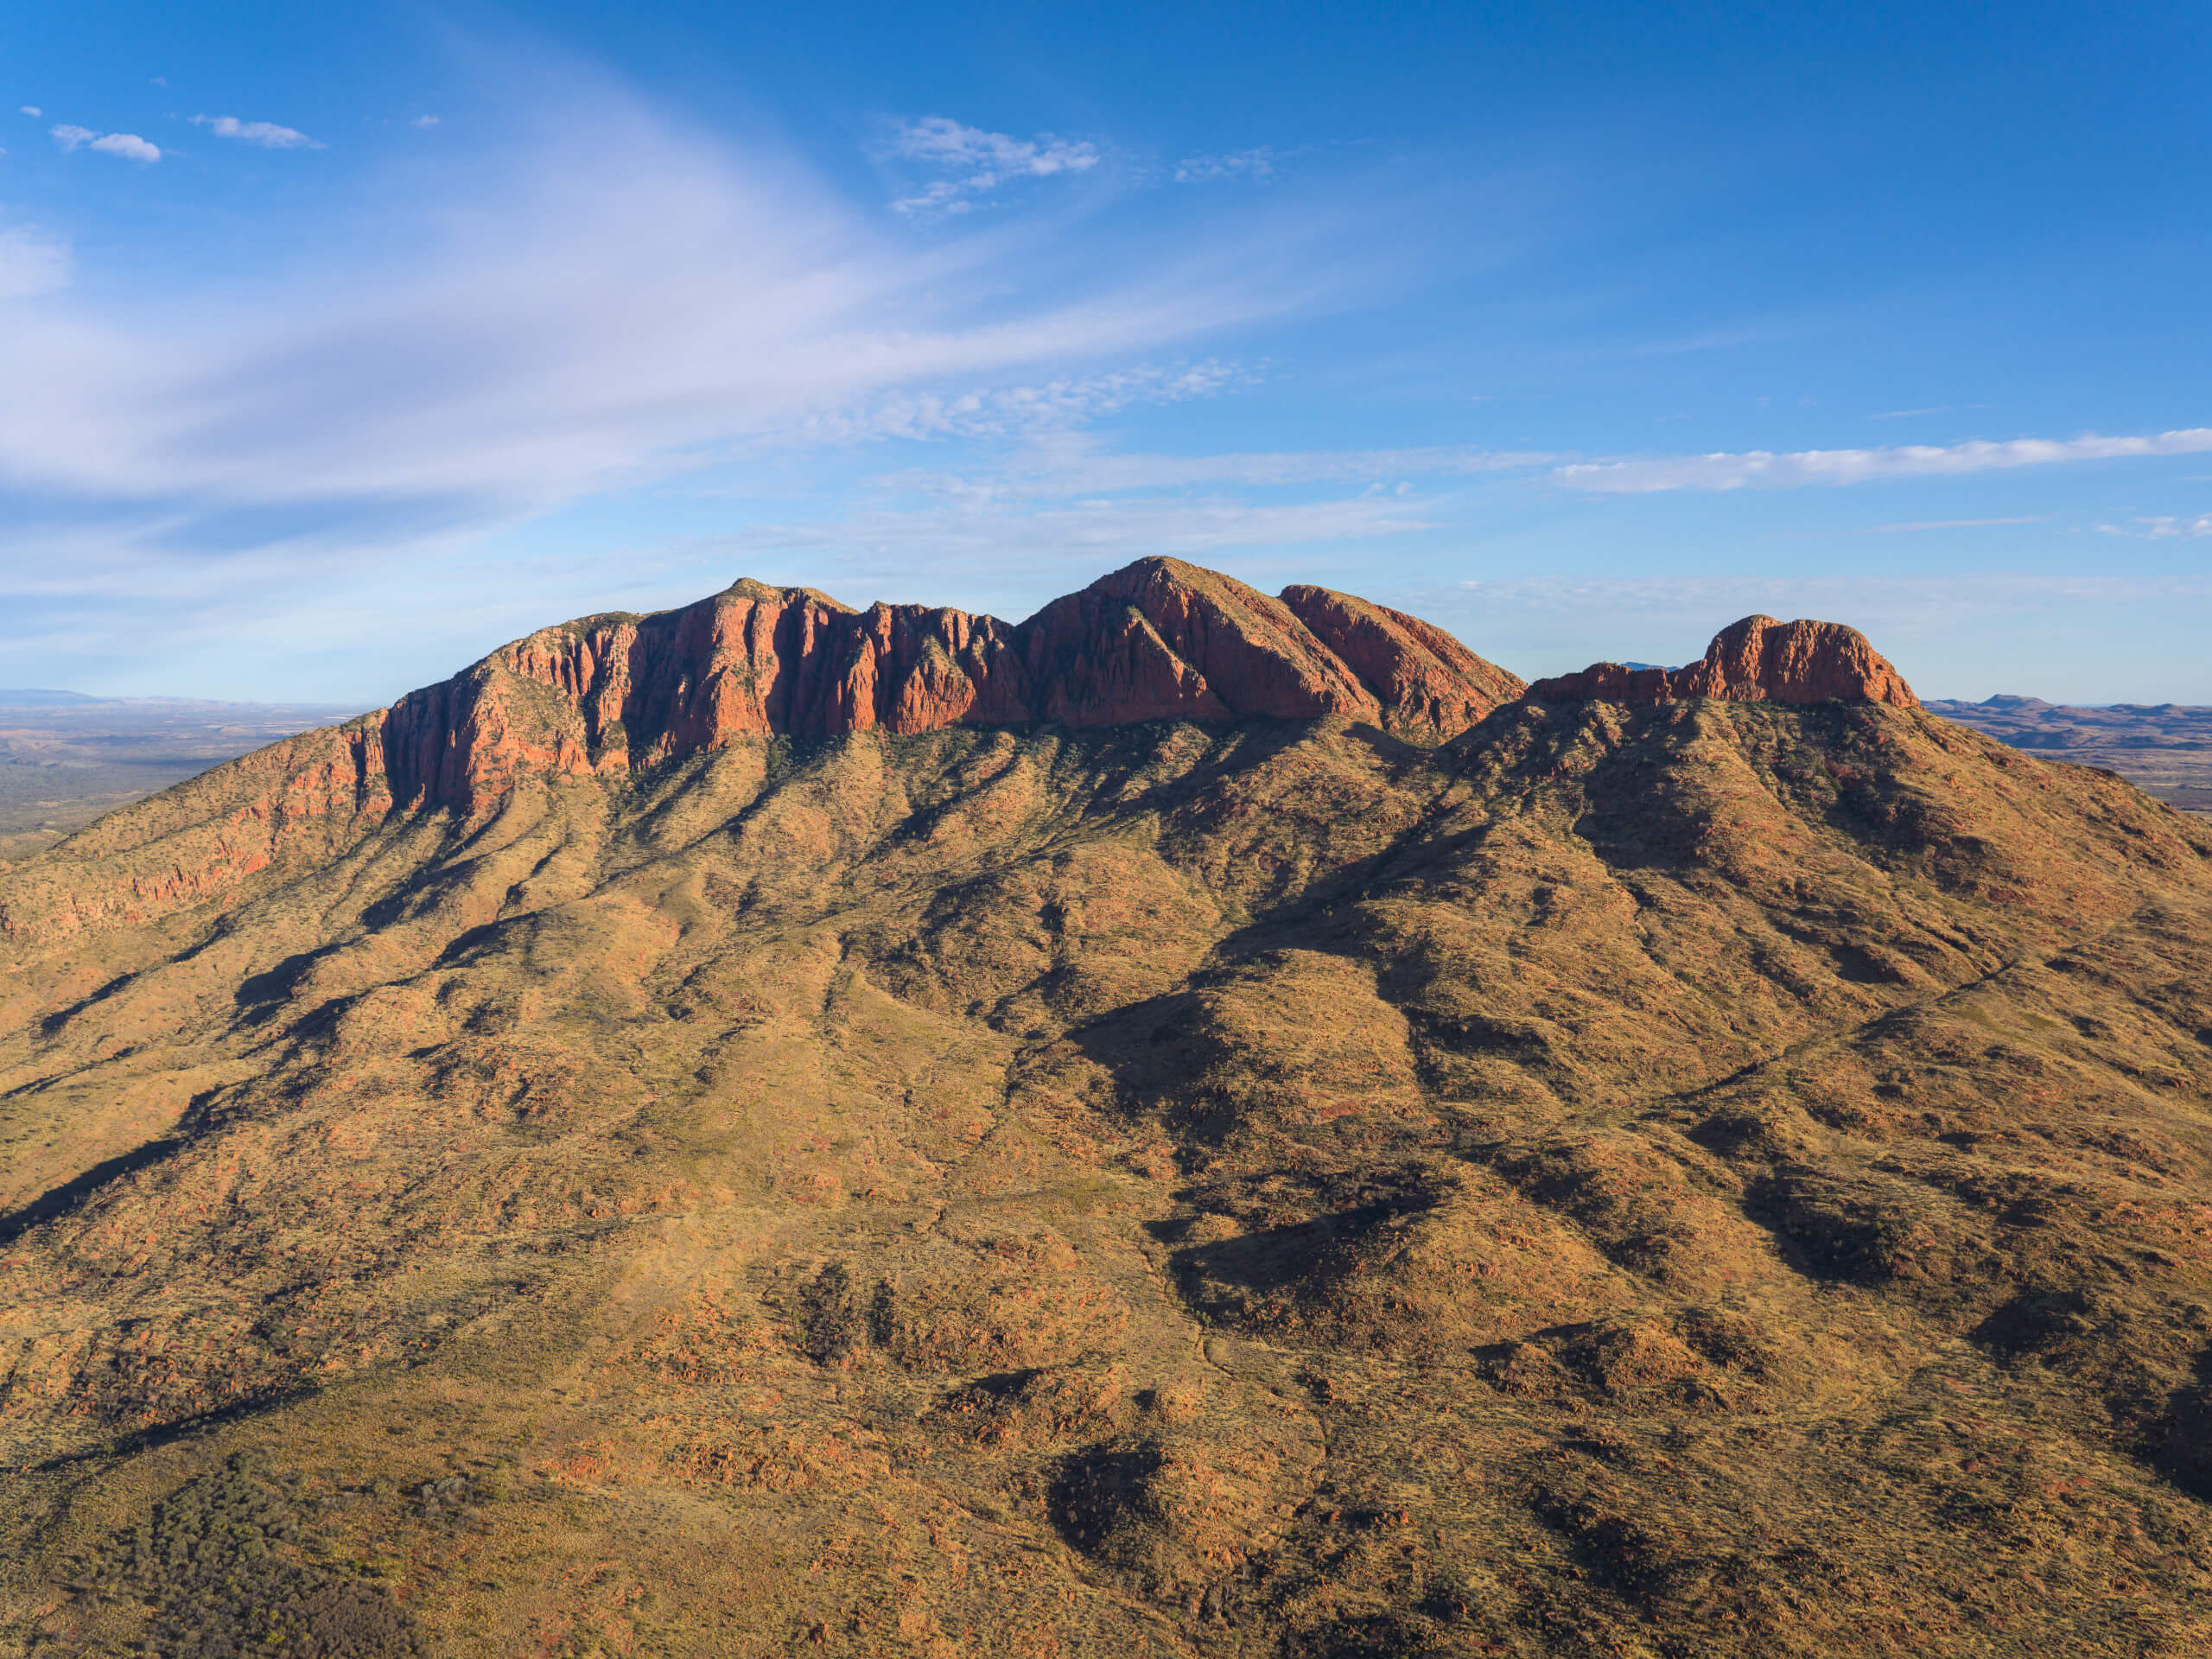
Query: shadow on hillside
60,1199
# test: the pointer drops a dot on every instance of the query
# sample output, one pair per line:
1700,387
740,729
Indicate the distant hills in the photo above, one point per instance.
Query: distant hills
29,697
2164,748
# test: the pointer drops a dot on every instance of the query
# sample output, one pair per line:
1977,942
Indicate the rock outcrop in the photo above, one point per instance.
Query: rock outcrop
607,695
1157,640
613,694
1756,660
1429,684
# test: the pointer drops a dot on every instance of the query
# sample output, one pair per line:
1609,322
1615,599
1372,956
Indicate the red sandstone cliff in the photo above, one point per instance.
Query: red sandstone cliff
1756,660
1427,682
1157,640
609,694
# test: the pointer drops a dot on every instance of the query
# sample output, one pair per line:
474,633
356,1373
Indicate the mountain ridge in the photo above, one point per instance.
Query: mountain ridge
1717,1175
609,694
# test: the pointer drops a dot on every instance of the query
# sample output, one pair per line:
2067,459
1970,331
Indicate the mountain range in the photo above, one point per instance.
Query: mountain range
2165,748
1197,1123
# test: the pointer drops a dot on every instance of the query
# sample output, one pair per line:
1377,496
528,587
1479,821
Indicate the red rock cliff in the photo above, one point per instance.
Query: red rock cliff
608,695
1756,660
1427,682
1157,640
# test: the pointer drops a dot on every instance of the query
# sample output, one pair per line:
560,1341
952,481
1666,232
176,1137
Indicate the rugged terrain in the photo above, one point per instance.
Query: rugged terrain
1196,1123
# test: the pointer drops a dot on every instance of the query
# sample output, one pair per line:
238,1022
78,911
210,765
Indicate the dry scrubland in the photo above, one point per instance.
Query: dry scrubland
1705,1178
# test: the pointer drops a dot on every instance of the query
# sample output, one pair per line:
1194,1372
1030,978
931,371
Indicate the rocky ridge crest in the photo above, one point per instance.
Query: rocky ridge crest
1756,660
613,694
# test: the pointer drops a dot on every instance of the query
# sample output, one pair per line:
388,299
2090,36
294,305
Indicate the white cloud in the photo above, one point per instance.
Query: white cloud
1906,604
266,134
1763,469
425,122
31,264
1056,510
1258,165
1072,542
2162,530
977,161
33,111
129,145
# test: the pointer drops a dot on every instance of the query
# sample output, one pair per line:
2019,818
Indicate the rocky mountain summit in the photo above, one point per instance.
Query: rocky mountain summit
1197,1123
1159,640
1756,660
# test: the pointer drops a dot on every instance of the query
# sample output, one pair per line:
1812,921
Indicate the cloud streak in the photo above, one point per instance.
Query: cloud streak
1765,469
978,162
2163,530
32,263
1257,165
266,135
1073,464
1056,544
1026,410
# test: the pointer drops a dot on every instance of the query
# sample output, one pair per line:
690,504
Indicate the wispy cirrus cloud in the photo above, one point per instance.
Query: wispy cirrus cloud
1055,507
2162,529
1955,523
128,145
1075,464
976,162
605,301
1765,469
1257,165
1897,598
1052,546
266,135
1024,410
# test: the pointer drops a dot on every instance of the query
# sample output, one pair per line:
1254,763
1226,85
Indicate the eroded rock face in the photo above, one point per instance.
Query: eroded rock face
609,695
1428,683
1756,660
1157,640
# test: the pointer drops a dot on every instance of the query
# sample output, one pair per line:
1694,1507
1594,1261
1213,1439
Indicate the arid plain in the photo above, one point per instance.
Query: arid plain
1200,1123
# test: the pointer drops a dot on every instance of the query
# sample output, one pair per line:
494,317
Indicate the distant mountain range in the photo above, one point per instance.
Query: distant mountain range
2165,748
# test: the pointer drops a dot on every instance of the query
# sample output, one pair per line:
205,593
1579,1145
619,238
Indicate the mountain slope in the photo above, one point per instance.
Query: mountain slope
1716,1175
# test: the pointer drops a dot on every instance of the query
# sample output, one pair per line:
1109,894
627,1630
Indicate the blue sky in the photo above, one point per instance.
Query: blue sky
339,349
